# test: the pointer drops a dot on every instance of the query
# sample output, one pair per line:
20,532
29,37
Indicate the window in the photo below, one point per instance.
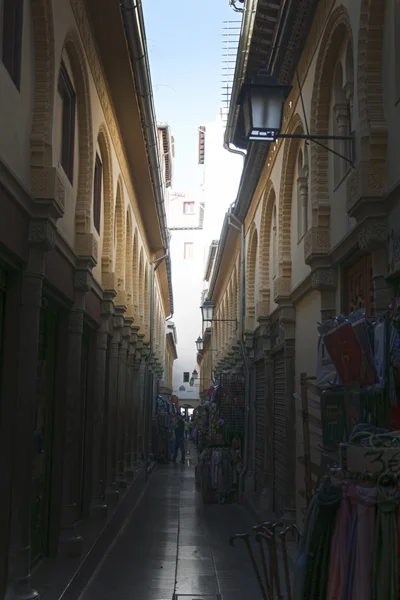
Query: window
186,378
67,93
188,208
188,251
98,176
12,38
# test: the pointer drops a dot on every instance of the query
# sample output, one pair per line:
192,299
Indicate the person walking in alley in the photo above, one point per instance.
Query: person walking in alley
179,439
187,429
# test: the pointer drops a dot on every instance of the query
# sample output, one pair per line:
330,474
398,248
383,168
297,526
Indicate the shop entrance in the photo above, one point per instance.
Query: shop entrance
260,425
279,435
43,434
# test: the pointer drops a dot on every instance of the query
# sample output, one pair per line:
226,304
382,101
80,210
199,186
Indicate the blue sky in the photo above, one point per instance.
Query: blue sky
184,39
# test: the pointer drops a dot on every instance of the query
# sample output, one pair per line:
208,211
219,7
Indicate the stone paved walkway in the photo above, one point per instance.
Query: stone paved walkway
174,544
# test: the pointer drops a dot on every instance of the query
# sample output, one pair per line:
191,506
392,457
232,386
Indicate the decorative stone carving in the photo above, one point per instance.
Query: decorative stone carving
373,234
317,243
365,185
47,185
282,287
109,283
83,280
118,322
42,234
323,278
87,247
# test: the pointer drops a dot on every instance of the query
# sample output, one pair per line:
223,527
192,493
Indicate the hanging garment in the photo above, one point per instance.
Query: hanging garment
317,571
300,567
366,499
385,558
337,562
351,549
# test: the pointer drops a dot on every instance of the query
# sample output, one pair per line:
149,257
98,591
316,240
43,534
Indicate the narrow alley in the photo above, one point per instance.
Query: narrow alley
172,546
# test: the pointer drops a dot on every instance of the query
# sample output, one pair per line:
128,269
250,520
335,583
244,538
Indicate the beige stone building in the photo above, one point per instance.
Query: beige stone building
312,233
85,277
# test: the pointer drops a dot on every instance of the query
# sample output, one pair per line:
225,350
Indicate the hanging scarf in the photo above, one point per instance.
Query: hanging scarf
366,498
385,559
351,550
337,561
317,573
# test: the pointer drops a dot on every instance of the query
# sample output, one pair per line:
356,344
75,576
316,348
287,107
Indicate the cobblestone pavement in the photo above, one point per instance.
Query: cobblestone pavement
174,544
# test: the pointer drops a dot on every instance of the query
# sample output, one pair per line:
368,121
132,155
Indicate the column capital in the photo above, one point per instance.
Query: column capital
373,233
323,278
42,234
83,280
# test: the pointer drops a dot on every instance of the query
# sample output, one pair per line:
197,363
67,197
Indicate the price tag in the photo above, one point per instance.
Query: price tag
376,461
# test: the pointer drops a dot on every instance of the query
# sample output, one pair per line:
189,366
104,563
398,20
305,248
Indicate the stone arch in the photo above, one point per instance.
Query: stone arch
373,127
336,31
76,55
44,98
141,288
251,275
290,158
235,297
119,239
129,262
107,255
136,285
146,297
265,243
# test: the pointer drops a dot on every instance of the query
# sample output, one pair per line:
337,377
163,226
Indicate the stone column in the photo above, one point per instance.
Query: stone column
303,213
324,279
342,121
41,239
136,408
98,505
70,540
121,411
111,488
287,319
130,405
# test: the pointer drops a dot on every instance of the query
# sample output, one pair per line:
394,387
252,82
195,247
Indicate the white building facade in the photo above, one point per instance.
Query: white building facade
185,221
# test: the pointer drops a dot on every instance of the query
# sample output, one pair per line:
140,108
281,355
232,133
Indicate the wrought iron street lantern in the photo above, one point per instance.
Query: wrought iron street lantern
263,101
200,344
195,374
207,310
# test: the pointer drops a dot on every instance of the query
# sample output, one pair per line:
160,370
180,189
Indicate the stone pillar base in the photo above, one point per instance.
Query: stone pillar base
21,590
98,509
111,494
70,544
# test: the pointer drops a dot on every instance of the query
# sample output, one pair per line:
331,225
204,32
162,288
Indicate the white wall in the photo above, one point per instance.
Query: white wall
187,284
221,172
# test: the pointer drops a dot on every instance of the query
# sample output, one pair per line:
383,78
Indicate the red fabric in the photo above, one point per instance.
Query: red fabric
347,356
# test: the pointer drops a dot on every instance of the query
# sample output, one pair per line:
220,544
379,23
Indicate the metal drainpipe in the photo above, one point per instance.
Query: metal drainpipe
243,472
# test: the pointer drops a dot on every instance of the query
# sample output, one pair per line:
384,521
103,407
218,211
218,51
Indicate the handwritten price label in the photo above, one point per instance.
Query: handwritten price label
372,460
